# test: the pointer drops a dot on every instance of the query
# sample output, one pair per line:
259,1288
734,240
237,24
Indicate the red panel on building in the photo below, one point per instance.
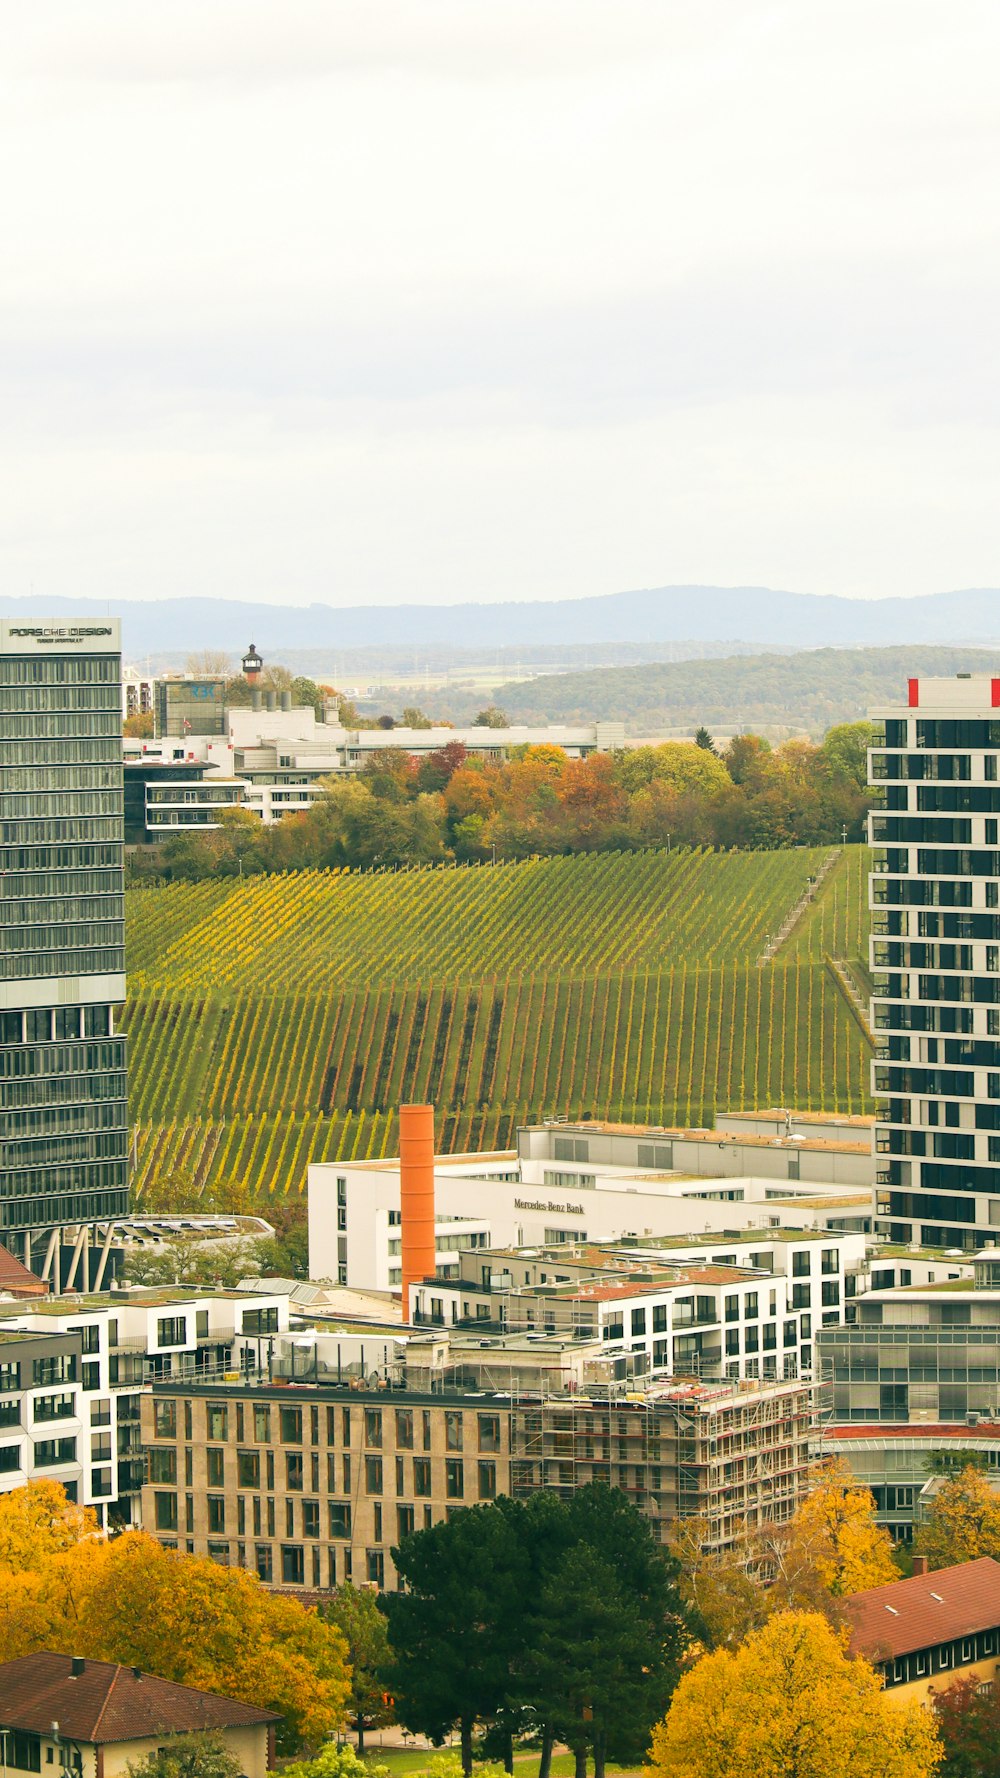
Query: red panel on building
995,693
914,685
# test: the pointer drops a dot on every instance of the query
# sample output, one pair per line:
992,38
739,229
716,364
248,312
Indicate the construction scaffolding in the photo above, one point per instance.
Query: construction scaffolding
733,1454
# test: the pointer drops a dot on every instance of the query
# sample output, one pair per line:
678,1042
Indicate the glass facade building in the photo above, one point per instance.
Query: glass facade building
191,707
64,1152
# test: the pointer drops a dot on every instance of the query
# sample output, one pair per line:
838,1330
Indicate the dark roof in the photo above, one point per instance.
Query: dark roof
908,1615
107,1702
16,1279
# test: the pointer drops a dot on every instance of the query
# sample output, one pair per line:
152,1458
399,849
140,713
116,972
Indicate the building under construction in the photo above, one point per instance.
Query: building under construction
729,1454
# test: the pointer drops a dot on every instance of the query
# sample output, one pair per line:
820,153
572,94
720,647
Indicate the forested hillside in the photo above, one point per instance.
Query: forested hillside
802,693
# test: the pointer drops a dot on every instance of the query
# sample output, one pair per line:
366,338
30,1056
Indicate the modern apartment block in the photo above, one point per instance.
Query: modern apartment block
63,1136
312,1485
735,1306
73,1370
935,951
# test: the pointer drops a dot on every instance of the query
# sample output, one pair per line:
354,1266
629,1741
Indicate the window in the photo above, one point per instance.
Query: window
487,1481
23,1750
261,1423
660,1318
638,1322
340,1518
373,1475
375,1564
293,1567
421,1477
750,1306
373,1428
52,1451
921,1665
310,1518
489,1432
831,1293
260,1321
294,1471
217,1420
404,1522
453,1430
216,1512
215,1467
171,1330
165,1511
454,1478
163,1466
263,1562
290,1425
404,1429
248,1469
829,1260
47,1372
54,1407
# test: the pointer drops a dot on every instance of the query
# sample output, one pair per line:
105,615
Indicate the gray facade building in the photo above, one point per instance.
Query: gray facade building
63,1115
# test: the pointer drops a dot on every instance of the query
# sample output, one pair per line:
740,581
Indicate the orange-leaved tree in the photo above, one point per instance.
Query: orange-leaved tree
183,1618
790,1703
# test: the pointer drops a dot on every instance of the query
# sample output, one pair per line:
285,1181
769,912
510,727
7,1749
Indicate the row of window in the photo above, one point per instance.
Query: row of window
82,827
289,1423
20,941
70,1089
104,1194
59,724
65,1058
41,752
942,1658
27,787
305,1517
48,909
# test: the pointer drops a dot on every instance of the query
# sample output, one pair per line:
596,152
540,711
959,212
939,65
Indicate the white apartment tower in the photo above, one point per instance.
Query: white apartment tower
935,953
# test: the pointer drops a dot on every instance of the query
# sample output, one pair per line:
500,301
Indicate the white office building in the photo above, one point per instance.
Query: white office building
935,951
590,1182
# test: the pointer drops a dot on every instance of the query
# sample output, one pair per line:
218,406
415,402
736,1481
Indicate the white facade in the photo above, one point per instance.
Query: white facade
658,1184
72,1372
737,1307
935,951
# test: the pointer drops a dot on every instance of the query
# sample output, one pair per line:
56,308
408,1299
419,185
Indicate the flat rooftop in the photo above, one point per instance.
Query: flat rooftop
717,1138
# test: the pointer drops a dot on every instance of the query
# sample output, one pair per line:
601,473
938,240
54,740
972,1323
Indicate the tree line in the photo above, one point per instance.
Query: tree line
452,806
535,1624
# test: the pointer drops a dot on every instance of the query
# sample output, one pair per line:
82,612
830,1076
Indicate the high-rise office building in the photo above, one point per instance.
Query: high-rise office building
63,1119
935,953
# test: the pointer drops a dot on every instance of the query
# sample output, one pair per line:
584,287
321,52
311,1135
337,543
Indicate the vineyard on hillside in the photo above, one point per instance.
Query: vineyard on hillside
558,916
284,1019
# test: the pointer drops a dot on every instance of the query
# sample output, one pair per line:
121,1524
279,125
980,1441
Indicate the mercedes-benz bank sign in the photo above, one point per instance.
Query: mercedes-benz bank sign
92,638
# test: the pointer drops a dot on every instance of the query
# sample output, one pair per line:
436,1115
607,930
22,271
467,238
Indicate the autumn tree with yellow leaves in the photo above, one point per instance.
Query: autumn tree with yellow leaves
963,1523
832,1545
790,1703
63,1586
830,1548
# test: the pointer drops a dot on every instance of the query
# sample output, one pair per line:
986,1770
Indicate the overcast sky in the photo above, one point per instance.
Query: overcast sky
379,300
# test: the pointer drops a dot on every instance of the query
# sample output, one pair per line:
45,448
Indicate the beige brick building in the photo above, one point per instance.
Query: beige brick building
309,1486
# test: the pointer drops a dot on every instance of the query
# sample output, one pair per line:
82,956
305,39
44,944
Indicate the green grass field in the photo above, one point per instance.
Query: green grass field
283,1019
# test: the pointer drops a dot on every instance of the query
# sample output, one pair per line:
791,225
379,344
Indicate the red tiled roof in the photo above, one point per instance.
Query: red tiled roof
106,1702
908,1615
913,1429
16,1280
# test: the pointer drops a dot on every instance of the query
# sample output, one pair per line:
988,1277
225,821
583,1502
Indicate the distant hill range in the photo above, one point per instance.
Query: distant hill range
754,615
805,692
